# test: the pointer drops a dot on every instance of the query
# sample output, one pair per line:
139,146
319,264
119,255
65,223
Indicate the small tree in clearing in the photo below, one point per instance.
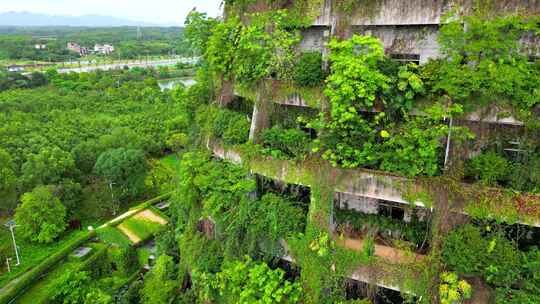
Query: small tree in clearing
41,215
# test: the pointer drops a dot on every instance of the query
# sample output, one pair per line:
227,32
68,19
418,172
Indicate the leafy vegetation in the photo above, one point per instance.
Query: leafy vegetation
285,143
308,71
470,251
41,215
251,282
54,135
453,290
160,283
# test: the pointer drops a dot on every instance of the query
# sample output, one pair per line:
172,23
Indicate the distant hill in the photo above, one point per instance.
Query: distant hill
35,19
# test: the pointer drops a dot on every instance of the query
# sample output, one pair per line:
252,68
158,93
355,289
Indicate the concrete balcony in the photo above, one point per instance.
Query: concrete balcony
287,94
491,202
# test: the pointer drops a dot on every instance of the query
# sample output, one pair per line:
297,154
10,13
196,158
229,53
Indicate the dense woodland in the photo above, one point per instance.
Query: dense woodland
84,146
19,43
87,140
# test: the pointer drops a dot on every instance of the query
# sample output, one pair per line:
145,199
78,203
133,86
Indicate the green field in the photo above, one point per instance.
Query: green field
144,229
112,235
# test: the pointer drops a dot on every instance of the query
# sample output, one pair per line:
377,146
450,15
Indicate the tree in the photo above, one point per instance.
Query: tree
8,182
125,168
198,30
160,283
121,138
126,260
47,167
41,215
70,193
167,243
37,79
86,154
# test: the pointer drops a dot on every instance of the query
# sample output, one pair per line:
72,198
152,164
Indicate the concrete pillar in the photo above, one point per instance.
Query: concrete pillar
226,94
261,115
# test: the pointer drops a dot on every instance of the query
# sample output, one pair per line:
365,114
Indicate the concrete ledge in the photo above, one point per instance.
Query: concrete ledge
377,185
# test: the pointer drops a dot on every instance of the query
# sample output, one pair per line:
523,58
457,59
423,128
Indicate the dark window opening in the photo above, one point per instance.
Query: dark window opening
514,152
360,290
391,211
292,192
406,58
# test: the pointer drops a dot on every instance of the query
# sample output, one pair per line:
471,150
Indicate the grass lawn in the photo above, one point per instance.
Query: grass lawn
112,235
144,229
32,253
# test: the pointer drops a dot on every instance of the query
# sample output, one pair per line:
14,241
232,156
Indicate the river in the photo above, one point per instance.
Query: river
170,84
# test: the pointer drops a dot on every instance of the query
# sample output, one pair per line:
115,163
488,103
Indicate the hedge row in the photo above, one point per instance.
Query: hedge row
12,289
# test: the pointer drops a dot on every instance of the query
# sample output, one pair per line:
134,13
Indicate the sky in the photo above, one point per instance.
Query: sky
151,11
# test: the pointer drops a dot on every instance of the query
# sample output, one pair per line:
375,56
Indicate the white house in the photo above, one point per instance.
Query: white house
104,49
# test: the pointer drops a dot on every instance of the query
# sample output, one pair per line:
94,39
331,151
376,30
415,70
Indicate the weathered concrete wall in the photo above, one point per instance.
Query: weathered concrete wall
314,38
412,12
325,17
399,12
358,203
418,40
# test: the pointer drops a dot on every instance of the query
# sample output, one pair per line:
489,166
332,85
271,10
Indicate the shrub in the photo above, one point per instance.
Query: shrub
125,259
488,167
308,71
285,143
415,231
232,127
502,262
494,257
452,290
132,294
464,250
237,131
526,176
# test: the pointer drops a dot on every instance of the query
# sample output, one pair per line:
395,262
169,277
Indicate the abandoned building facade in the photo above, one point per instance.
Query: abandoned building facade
408,31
